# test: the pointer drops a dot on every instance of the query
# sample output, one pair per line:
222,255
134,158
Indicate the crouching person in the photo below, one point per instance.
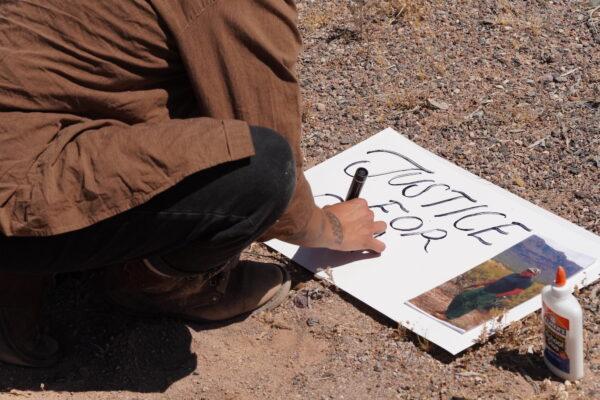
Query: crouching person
156,140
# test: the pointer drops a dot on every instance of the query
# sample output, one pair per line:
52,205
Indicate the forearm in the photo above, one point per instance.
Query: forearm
321,229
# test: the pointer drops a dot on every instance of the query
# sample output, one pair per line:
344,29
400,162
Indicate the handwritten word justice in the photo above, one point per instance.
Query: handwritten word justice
413,180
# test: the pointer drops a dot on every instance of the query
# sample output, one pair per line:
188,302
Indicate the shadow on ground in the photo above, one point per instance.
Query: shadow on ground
430,348
105,350
530,365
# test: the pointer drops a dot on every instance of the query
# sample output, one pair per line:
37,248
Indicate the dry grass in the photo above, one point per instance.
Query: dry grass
403,100
364,12
314,21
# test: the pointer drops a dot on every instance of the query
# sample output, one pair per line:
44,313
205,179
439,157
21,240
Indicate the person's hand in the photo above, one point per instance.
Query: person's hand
350,226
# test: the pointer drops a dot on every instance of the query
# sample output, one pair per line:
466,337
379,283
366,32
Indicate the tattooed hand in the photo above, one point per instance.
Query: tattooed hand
346,226
350,226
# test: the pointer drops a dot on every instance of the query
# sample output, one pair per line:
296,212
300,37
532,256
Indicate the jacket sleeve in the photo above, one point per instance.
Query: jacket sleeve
241,59
96,116
96,169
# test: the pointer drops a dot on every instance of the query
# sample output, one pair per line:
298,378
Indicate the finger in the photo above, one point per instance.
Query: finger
359,202
379,226
376,245
370,214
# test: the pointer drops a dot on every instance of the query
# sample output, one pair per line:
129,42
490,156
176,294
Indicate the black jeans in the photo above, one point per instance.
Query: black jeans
195,226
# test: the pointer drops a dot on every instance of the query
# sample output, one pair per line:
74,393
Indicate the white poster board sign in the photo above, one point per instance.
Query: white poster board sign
463,255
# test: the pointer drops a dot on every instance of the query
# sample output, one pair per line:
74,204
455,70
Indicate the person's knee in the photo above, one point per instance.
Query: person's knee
274,168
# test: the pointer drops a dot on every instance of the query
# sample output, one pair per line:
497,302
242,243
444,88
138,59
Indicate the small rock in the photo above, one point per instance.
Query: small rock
530,349
580,195
477,114
574,170
567,384
320,107
301,300
548,58
545,385
378,367
437,104
559,79
312,321
561,396
315,294
547,78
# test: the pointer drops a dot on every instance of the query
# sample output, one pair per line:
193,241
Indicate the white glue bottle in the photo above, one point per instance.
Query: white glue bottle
563,329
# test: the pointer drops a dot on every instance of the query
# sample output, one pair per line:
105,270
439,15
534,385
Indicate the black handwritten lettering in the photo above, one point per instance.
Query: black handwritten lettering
414,180
459,211
417,219
405,194
463,195
428,235
475,215
409,184
414,164
383,208
497,229
335,196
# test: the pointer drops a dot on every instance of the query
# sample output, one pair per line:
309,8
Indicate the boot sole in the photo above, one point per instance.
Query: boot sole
272,303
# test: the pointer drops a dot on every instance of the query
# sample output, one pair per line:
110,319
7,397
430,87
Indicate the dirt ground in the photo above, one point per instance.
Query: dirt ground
509,90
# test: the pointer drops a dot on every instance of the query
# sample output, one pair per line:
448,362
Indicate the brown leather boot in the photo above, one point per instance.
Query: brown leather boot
21,341
244,288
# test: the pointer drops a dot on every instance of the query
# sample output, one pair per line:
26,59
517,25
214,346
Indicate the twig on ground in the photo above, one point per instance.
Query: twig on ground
569,72
538,142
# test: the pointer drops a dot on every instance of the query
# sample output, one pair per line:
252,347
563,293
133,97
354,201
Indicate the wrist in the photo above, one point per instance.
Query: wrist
315,233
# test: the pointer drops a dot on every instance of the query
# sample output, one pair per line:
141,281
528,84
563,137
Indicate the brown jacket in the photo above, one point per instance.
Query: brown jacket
104,104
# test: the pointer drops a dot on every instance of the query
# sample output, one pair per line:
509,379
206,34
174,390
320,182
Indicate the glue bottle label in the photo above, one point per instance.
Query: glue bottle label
556,329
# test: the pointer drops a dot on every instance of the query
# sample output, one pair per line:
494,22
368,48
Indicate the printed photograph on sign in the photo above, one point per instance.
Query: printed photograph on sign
507,280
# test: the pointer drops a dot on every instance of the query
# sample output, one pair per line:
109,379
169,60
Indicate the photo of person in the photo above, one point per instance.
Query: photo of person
491,294
499,284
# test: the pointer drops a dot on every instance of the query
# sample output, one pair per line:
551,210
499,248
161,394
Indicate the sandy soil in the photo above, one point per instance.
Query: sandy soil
509,90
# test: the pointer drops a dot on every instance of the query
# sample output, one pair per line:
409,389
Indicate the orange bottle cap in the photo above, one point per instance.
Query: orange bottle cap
561,277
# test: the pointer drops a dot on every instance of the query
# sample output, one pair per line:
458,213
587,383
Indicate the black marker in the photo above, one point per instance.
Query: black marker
360,177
